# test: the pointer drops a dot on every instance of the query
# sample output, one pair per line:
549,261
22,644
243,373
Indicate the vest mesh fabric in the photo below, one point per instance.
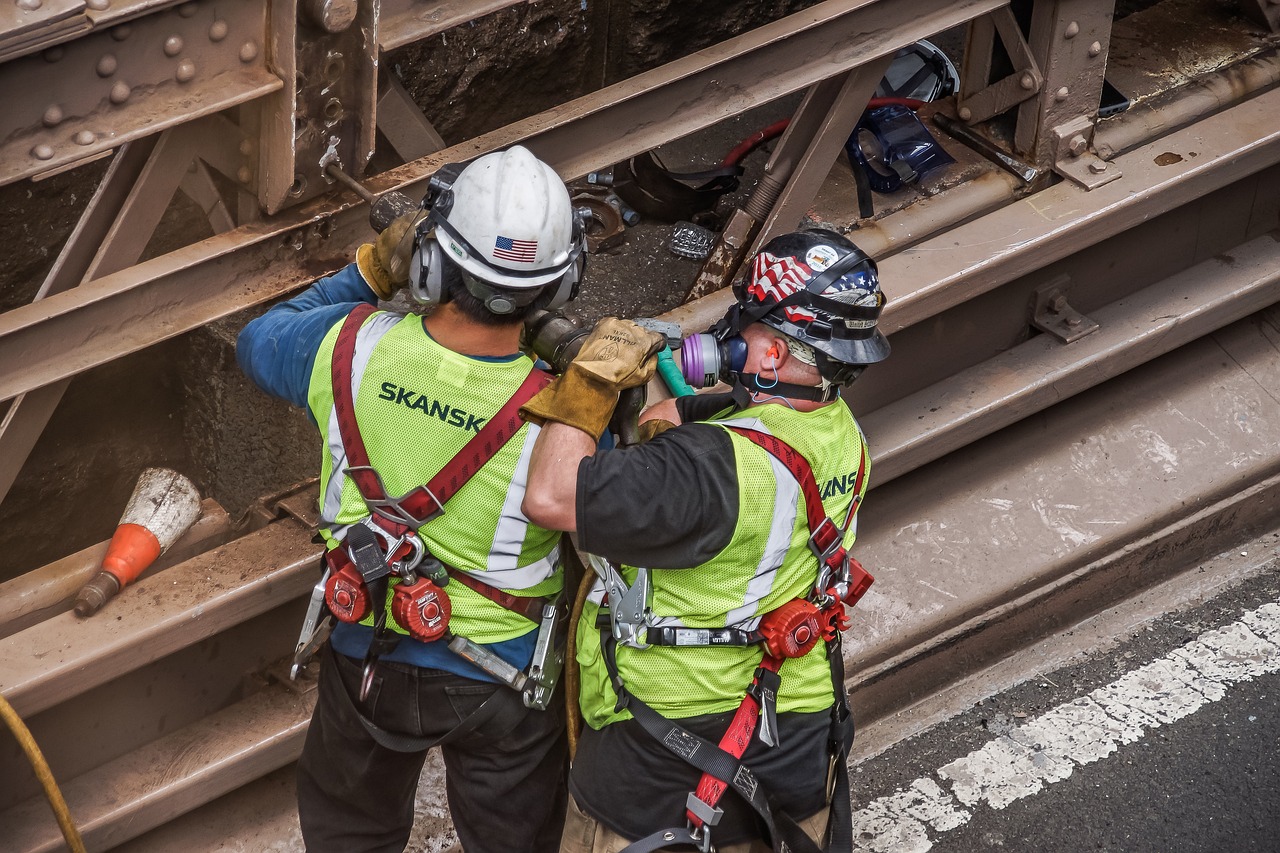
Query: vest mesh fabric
684,682
418,403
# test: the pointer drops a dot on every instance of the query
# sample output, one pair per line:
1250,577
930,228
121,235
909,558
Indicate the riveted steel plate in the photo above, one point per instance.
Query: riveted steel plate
71,102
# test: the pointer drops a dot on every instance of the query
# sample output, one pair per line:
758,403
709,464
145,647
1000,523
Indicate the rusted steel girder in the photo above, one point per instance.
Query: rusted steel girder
166,296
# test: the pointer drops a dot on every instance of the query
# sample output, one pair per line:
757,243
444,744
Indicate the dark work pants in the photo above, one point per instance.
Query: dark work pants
506,781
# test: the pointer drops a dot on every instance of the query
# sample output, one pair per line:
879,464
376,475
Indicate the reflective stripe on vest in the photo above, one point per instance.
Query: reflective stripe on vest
501,559
367,338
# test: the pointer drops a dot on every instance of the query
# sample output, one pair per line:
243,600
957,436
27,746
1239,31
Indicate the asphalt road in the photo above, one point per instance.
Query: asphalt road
1168,742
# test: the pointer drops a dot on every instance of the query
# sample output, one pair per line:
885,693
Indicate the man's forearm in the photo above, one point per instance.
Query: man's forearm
551,498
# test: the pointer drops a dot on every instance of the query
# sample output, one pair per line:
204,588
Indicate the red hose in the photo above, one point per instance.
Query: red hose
773,131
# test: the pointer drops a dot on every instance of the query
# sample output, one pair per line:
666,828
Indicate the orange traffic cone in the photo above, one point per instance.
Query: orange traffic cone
163,506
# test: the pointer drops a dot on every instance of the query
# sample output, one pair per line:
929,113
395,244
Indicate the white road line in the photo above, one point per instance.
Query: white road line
1048,748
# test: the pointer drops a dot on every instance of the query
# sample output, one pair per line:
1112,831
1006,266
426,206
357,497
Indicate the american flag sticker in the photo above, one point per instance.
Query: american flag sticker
520,251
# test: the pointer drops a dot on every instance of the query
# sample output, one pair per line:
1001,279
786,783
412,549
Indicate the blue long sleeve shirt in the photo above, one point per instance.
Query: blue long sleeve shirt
277,351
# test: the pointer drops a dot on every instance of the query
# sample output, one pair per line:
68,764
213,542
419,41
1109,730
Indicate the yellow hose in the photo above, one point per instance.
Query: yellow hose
44,774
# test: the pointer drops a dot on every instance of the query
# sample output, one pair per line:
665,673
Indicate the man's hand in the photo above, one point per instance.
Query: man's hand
384,264
617,355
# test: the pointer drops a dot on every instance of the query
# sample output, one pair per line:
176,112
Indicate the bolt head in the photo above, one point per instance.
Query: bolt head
1077,145
1098,167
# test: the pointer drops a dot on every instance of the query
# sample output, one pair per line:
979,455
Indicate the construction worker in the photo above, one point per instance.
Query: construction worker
442,650
722,549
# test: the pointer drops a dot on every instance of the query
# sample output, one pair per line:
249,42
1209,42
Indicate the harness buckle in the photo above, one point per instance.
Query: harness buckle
394,509
701,835
832,535
703,811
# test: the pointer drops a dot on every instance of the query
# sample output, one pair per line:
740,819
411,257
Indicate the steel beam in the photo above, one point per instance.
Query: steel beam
1050,225
185,289
406,21
64,656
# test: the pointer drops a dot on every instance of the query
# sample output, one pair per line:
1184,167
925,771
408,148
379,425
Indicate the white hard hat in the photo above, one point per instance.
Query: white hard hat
505,220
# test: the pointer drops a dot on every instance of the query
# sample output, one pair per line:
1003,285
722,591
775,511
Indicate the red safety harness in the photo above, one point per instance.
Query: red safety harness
423,604
789,631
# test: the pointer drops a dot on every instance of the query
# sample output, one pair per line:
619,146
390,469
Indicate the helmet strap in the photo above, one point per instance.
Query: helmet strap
750,383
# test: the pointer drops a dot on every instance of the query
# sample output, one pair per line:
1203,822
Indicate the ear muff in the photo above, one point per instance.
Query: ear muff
426,270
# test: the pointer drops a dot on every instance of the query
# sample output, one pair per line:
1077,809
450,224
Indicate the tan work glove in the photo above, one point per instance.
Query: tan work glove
653,428
384,264
617,355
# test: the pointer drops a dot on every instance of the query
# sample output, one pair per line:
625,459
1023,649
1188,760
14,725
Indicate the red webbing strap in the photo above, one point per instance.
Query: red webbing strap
423,501
344,404
735,741
530,607
821,527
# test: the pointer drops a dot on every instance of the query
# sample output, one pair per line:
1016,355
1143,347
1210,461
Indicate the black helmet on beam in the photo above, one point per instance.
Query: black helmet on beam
818,288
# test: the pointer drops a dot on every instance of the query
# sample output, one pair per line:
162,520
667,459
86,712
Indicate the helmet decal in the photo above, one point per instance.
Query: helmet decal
820,257
775,278
511,249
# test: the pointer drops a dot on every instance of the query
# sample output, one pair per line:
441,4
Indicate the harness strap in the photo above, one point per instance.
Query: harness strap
496,707
530,607
425,502
824,531
410,511
705,756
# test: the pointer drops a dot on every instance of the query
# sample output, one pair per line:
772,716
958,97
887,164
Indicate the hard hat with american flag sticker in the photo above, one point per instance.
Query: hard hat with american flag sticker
819,288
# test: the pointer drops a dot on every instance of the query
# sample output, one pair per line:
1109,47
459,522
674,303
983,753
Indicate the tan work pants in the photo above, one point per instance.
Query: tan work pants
584,834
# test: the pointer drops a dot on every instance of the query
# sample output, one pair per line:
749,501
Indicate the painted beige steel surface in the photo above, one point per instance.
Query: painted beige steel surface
64,656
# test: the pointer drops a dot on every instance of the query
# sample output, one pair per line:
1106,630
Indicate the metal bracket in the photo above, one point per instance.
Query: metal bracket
1024,83
1052,314
1075,161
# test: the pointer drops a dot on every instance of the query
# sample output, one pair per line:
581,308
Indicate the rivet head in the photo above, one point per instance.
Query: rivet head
84,137
52,116
42,152
1062,93
965,113
98,5
106,65
244,175
1027,82
119,92
173,45
246,147
248,52
1095,48
217,31
186,10
186,71
1072,30
28,5
121,32
53,54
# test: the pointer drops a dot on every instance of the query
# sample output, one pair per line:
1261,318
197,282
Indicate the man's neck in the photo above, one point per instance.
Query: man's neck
450,328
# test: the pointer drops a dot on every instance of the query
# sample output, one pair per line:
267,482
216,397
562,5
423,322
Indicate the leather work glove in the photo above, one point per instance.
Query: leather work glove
617,355
653,428
384,264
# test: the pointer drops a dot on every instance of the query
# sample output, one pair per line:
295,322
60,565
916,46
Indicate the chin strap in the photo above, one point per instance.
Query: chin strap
749,383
